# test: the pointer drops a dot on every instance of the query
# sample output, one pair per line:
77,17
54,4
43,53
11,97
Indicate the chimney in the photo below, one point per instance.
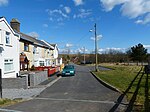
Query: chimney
15,24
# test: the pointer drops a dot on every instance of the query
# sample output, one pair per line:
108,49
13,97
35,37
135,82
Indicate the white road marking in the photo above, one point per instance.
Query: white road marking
7,110
74,100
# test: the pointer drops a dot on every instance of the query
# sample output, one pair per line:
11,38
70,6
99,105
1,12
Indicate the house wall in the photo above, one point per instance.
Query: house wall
39,56
54,56
29,53
9,51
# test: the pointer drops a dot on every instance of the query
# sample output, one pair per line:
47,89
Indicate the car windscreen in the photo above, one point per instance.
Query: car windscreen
69,67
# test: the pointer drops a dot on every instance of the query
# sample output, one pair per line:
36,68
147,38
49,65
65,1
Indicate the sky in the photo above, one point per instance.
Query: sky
121,24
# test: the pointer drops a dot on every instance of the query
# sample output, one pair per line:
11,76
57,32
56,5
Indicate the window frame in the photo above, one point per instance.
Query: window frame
41,63
11,63
7,36
26,45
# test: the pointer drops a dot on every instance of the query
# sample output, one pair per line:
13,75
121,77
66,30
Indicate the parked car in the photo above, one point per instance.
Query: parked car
68,70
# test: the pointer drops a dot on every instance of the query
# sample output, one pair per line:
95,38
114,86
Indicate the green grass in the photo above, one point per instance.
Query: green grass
6,102
121,76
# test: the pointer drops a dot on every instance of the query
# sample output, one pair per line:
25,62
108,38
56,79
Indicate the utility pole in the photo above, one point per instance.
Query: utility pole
84,55
96,50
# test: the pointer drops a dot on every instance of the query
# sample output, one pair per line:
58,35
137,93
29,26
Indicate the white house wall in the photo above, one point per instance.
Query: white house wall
9,51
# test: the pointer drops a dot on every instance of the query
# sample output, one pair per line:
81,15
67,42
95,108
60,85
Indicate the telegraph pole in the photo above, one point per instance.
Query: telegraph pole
84,55
96,50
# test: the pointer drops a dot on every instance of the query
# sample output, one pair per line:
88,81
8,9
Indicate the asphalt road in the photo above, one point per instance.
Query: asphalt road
79,93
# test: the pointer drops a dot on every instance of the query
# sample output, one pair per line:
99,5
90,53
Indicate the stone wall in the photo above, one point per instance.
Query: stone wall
16,83
26,80
36,78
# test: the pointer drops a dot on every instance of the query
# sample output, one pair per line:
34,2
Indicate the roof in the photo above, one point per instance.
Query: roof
54,45
15,33
51,47
34,40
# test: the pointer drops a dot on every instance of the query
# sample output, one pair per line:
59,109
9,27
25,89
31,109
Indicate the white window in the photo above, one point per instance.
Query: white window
35,50
8,38
26,47
8,65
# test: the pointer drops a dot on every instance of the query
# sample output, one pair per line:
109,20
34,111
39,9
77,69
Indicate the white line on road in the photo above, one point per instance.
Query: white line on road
74,100
7,110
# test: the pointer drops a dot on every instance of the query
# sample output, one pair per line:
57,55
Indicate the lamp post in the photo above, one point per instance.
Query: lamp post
96,50
84,55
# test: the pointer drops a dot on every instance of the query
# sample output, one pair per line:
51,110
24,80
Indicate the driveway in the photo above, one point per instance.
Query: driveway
79,93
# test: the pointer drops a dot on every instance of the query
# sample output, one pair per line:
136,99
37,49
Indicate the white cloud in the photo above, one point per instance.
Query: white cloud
68,45
131,9
78,2
56,11
146,46
144,21
34,34
45,25
58,15
139,21
110,4
3,2
107,50
67,9
82,50
98,37
134,8
83,13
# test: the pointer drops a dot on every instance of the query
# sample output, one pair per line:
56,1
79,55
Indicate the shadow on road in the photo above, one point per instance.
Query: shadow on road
131,105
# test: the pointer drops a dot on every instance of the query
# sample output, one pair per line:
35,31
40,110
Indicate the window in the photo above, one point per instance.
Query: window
26,47
35,50
41,63
8,65
7,37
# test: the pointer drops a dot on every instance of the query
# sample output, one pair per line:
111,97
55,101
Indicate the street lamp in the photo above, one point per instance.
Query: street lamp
96,49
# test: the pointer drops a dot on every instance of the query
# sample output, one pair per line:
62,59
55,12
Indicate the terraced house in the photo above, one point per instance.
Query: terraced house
9,50
19,51
34,51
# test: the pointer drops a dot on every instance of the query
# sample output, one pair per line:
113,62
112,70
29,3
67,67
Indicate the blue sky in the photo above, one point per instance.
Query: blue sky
120,23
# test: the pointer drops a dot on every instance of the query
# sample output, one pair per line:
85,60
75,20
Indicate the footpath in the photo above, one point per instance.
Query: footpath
31,92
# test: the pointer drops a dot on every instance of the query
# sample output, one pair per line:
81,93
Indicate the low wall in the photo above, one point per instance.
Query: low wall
26,80
37,77
16,83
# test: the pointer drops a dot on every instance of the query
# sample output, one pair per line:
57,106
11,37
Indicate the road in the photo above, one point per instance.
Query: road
79,93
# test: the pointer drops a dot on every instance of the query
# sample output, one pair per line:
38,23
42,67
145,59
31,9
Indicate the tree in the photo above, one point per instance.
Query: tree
137,53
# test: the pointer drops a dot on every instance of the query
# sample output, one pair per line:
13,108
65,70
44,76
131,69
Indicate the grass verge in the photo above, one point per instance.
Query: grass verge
7,102
121,77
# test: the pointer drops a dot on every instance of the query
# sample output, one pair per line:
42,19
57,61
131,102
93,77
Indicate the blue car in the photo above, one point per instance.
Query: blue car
68,70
